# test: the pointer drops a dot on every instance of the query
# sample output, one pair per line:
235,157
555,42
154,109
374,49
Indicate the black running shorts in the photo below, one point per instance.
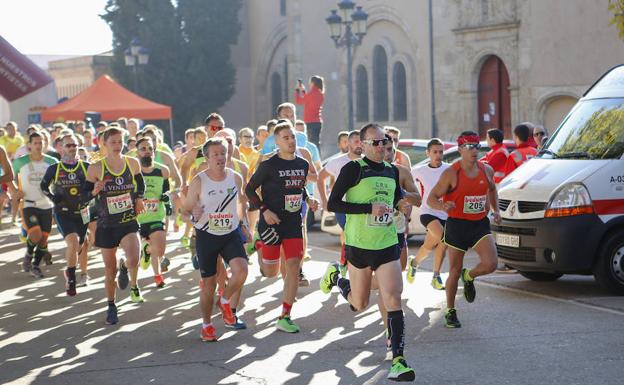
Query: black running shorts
34,217
362,258
210,247
110,237
150,227
464,234
68,223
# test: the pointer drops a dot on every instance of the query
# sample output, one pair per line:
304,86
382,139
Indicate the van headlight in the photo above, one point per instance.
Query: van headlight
570,199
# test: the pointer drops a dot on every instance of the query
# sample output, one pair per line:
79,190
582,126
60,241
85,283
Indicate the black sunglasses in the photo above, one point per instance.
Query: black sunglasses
376,142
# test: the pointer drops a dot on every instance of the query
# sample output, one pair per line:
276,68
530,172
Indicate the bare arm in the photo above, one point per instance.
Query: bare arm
187,162
409,187
492,193
192,196
322,189
441,188
312,175
173,170
242,199
7,169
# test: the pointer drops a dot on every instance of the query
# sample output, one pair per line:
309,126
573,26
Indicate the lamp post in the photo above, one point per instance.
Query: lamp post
354,23
135,56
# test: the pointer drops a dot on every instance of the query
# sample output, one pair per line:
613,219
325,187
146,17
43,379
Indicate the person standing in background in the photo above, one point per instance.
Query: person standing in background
312,102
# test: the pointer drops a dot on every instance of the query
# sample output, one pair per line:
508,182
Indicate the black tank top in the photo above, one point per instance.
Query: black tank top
116,200
67,183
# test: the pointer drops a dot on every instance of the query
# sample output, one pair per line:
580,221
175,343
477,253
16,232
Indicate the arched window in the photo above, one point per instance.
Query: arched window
361,94
380,84
399,86
276,91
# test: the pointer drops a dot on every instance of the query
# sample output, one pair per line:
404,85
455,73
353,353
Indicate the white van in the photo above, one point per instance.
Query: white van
563,211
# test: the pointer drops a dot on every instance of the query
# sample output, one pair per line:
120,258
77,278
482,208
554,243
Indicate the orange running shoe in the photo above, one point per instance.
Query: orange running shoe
159,280
226,312
208,334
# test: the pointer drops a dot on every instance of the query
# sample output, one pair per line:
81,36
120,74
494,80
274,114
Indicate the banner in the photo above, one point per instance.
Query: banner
19,76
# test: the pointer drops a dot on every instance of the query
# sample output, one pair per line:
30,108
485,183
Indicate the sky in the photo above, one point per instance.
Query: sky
55,27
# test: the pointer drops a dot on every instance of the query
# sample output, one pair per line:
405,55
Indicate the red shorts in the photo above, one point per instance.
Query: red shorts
293,248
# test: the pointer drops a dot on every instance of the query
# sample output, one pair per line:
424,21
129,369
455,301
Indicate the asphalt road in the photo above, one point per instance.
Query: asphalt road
516,332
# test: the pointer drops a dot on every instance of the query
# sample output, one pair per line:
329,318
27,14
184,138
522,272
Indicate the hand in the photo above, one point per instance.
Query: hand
379,209
99,186
138,206
497,217
313,204
448,206
19,194
197,212
404,206
270,217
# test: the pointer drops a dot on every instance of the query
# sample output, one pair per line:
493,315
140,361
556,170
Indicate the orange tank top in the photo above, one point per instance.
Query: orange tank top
469,194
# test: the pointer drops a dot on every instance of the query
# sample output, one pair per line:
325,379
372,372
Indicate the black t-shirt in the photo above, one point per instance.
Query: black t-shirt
282,184
67,184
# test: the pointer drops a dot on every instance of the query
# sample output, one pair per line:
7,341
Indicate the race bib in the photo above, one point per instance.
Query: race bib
85,214
119,203
474,204
151,205
382,220
220,222
292,203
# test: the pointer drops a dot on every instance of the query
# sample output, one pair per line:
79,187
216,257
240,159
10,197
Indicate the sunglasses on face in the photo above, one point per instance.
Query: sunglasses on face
146,149
471,146
216,128
247,136
539,133
71,145
376,142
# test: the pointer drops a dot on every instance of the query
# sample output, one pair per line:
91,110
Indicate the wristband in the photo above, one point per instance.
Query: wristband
263,208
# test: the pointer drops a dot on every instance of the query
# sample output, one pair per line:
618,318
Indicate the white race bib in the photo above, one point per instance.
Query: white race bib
119,203
292,203
474,204
85,214
382,220
220,222
151,205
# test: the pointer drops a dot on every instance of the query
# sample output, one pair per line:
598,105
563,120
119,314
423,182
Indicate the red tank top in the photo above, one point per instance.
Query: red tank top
469,195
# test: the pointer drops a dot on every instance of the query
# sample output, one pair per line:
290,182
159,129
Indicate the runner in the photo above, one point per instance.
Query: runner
211,199
433,220
6,176
282,180
371,188
67,177
117,184
37,210
152,221
467,188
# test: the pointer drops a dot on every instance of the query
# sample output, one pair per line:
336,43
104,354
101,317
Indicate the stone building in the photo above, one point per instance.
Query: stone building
496,62
75,74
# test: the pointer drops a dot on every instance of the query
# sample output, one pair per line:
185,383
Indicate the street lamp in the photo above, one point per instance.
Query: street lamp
354,30
135,56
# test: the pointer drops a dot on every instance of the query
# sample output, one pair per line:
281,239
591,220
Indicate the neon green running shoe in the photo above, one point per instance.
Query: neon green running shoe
135,295
411,270
436,283
145,257
469,288
185,241
330,279
452,322
400,371
285,324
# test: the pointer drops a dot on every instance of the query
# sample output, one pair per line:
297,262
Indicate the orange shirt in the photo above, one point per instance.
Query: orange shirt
470,194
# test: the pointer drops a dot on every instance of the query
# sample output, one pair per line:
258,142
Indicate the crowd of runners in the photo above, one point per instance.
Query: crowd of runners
236,195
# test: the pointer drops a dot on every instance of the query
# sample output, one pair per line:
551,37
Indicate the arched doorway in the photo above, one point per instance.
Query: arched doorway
494,97
556,110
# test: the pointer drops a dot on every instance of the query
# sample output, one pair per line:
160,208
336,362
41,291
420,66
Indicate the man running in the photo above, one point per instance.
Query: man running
37,212
214,199
67,178
282,180
371,189
427,176
152,220
117,184
467,188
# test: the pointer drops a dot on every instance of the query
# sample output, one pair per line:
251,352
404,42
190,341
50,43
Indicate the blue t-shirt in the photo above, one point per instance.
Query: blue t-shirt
269,144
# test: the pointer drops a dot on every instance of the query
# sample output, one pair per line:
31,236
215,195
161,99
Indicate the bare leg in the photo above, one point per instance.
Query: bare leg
456,262
206,297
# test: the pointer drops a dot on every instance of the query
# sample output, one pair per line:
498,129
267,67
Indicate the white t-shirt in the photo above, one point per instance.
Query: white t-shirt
334,166
426,178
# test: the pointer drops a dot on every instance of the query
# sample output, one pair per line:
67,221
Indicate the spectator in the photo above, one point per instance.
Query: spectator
312,102
540,136
523,152
247,153
12,140
497,156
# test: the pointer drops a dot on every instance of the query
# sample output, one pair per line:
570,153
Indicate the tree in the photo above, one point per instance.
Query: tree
189,43
617,8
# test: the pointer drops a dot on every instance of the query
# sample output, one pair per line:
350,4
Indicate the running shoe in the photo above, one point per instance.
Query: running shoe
307,257
145,257
469,289
22,238
411,269
47,257
84,280
111,315
36,272
195,261
164,264
208,334
226,312
159,280
285,324
303,281
436,283
238,325
330,279
70,284
122,277
27,262
135,295
185,241
452,321
400,371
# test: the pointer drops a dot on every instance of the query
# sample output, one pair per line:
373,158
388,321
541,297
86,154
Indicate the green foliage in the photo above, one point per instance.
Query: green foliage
617,8
189,44
601,137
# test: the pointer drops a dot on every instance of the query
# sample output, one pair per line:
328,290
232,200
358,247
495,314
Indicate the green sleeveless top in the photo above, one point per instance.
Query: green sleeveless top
154,207
366,231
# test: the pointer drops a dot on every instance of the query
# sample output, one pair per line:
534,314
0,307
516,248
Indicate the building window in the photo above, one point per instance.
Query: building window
399,86
282,7
276,91
361,94
380,84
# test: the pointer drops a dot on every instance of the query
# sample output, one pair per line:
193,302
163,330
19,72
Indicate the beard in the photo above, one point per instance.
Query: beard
146,161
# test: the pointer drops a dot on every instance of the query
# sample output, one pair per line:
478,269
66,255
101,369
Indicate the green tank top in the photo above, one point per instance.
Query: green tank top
366,231
154,207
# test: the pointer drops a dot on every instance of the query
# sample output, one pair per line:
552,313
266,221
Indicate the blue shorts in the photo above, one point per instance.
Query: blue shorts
341,218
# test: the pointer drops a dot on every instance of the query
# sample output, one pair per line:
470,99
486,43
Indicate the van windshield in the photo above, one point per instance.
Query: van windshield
594,130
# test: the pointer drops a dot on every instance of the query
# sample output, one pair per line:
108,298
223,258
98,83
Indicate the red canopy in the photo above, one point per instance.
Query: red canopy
111,100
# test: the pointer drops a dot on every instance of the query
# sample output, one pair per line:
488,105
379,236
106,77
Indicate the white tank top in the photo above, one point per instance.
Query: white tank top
426,178
219,202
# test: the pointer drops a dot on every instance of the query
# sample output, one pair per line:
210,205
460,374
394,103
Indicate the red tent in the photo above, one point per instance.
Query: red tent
111,100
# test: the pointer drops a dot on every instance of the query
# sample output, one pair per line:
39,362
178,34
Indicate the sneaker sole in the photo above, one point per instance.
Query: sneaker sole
287,331
452,326
404,377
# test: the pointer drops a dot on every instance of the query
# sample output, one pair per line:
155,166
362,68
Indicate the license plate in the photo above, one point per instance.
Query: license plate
508,240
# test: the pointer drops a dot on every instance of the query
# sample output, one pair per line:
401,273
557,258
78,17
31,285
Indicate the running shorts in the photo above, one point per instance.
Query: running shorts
464,234
210,247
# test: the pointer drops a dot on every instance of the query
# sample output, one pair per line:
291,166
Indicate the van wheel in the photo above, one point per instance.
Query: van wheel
609,268
540,276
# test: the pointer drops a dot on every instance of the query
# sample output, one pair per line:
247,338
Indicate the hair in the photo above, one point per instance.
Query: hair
189,132
61,138
367,127
33,136
131,139
299,122
80,139
57,126
217,141
434,142
144,139
102,124
285,105
246,130
271,125
112,131
123,120
214,116
281,127
495,134
262,128
12,124
468,133
318,82
343,133
392,130
79,123
100,135
522,131
352,134
390,141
